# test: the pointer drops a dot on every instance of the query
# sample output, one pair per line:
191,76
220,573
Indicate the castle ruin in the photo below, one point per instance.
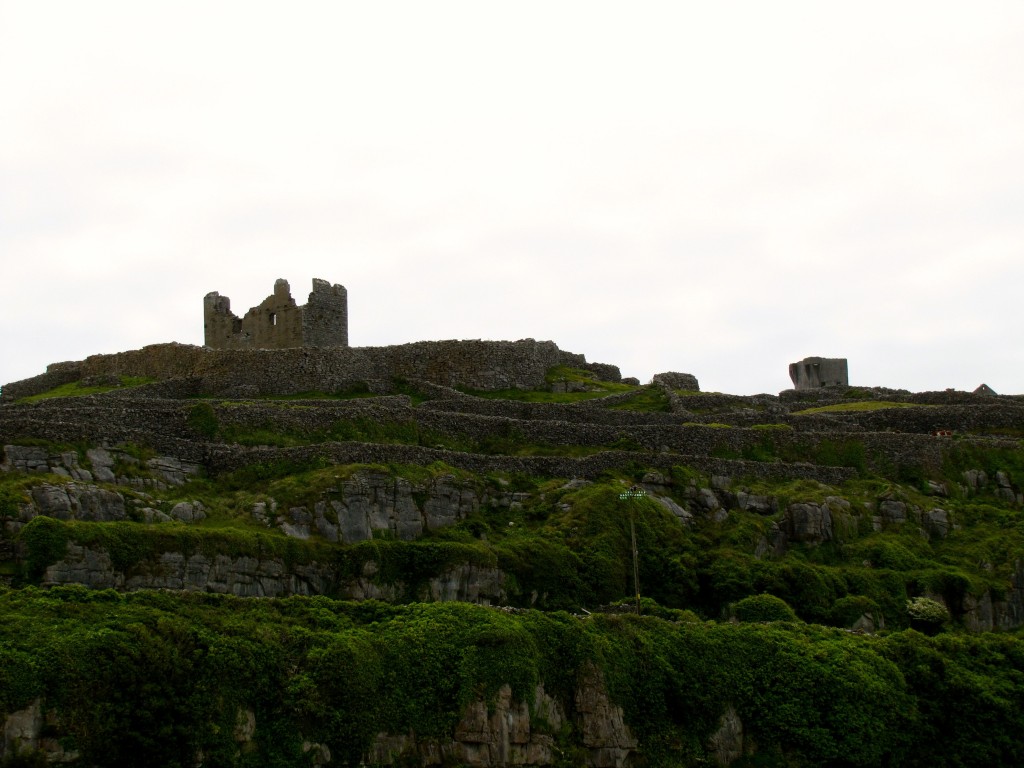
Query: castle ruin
278,322
814,372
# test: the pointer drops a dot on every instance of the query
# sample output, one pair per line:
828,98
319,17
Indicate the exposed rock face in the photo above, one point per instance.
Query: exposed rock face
977,480
158,472
264,577
808,523
505,734
469,583
21,731
761,504
241,576
373,501
78,502
684,516
607,738
983,614
892,512
936,523
726,743
23,735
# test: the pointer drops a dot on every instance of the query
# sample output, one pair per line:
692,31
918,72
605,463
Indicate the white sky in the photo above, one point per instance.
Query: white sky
719,188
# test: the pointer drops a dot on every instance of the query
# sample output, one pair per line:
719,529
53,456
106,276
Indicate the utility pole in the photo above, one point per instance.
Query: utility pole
634,492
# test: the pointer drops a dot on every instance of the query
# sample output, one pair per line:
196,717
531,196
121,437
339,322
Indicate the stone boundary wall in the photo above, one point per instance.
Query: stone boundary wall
57,374
924,419
587,410
829,395
486,365
957,398
718,401
825,395
229,458
217,457
93,416
153,422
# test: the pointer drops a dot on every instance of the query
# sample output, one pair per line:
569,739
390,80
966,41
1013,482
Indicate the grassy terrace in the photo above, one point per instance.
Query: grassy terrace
864,405
77,389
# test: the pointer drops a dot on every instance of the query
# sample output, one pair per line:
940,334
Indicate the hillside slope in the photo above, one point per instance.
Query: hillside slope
888,559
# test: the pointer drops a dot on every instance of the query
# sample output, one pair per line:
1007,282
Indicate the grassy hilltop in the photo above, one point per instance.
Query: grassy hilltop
388,572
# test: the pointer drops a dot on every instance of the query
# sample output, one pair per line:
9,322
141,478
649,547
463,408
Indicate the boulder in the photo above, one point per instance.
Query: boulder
76,501
808,523
892,511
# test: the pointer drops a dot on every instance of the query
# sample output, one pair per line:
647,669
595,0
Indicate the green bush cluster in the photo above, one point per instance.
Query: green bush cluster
155,678
764,607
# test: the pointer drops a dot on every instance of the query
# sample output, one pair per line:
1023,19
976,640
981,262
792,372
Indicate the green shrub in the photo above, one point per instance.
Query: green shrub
764,607
202,420
847,610
45,541
927,611
11,500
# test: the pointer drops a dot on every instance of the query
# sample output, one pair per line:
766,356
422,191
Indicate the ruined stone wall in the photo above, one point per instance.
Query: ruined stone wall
485,365
325,316
278,322
814,372
57,374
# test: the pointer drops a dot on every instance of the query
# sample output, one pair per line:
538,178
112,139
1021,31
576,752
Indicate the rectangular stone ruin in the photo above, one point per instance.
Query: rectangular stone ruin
278,322
815,372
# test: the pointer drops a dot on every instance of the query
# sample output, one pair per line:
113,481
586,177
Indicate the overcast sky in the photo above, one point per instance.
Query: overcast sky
717,188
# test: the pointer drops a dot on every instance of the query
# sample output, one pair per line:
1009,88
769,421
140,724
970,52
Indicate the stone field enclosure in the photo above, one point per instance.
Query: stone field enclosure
427,555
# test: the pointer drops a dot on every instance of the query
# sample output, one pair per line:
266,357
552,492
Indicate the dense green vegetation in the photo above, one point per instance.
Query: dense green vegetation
154,679
568,546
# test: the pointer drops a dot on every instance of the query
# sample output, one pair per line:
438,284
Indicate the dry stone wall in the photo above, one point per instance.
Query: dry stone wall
922,419
590,411
485,365
165,424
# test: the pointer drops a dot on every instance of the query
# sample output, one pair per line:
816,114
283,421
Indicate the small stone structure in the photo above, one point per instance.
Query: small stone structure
674,380
815,372
278,323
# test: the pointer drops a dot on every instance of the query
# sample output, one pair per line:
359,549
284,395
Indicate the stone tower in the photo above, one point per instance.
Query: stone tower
278,323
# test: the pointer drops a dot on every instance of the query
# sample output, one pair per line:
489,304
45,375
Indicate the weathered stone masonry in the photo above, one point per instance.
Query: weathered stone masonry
278,322
470,363
814,372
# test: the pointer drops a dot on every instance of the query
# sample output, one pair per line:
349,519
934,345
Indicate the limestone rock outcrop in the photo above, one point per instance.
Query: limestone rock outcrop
29,732
726,743
505,732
